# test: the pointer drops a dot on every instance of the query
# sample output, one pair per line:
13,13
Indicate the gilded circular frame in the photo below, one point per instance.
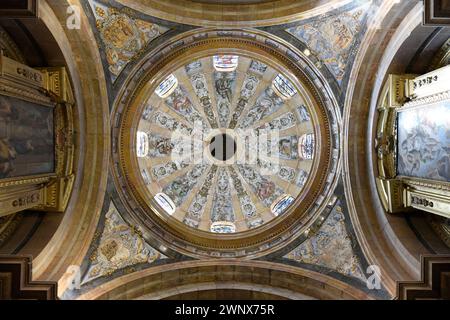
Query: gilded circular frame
172,236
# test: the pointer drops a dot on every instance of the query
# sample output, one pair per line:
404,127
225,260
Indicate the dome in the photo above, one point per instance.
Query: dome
223,136
227,145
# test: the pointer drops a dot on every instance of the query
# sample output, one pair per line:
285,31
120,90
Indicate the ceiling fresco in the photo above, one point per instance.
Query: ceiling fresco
229,144
202,104
123,37
331,247
258,110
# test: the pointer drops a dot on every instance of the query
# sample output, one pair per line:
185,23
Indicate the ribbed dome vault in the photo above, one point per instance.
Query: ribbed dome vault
225,144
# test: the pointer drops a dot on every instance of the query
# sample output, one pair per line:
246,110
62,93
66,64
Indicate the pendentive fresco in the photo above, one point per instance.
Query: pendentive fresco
123,36
331,247
331,37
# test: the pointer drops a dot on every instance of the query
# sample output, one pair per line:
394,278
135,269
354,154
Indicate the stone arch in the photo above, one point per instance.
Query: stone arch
168,280
386,240
70,242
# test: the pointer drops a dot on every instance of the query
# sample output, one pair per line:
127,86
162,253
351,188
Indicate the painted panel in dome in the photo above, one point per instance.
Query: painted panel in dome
198,205
268,102
179,188
248,208
267,191
424,142
223,201
199,84
179,102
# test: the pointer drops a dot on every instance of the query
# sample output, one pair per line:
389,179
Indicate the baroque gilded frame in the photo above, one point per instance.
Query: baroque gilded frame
398,193
48,87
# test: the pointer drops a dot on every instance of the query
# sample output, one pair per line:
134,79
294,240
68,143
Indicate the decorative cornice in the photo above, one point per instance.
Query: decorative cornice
10,47
433,284
16,281
427,100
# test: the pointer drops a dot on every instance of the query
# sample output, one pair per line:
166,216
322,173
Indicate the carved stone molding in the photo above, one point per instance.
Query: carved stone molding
428,100
160,281
443,57
232,14
436,13
14,9
9,47
8,225
434,283
16,281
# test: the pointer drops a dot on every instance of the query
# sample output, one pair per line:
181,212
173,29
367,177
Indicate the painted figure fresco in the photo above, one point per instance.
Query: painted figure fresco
424,142
247,206
287,147
179,102
331,247
266,190
303,114
120,247
267,103
332,38
26,138
178,189
224,84
223,202
198,205
199,84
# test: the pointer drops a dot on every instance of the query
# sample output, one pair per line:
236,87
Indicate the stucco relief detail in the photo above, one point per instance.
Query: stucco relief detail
120,246
123,36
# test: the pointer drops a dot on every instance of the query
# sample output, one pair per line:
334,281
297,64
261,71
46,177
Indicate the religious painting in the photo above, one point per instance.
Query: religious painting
424,142
26,138
331,38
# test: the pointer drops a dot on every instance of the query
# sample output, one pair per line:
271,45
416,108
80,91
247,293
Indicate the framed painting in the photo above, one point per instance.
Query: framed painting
27,142
424,142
